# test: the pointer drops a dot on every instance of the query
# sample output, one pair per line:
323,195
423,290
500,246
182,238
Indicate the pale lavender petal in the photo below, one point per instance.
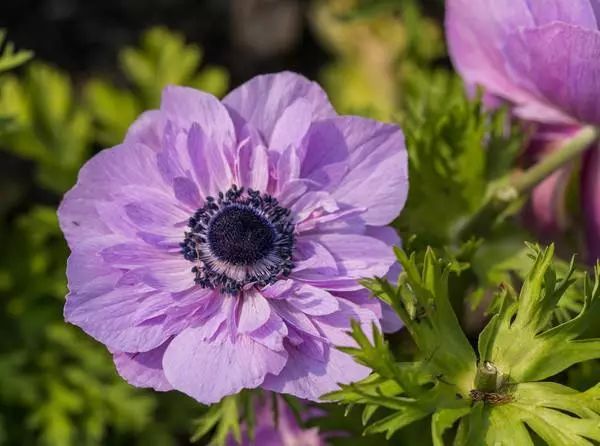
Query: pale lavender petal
308,378
253,166
100,178
288,167
357,255
546,210
377,179
577,12
326,158
475,30
147,129
295,318
254,313
208,371
292,126
336,326
186,192
561,63
125,318
187,106
262,100
209,161
313,301
271,334
143,369
313,256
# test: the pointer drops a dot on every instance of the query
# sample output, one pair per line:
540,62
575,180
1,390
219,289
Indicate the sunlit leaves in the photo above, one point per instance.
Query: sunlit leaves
456,151
523,343
543,350
48,125
162,58
9,57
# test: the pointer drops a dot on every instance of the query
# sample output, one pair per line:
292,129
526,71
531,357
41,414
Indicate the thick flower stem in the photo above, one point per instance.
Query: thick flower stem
520,185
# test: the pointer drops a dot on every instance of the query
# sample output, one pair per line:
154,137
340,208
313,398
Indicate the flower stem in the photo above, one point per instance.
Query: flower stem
520,185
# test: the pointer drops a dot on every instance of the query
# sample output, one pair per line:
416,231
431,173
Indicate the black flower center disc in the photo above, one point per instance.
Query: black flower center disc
241,238
238,235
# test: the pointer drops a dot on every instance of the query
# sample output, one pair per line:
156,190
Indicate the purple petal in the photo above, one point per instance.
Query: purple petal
313,256
255,311
146,129
143,369
209,162
326,158
186,106
358,256
292,126
475,32
125,319
271,334
590,190
336,326
561,63
577,12
313,301
186,192
295,318
102,177
377,179
288,167
263,100
253,166
309,378
208,371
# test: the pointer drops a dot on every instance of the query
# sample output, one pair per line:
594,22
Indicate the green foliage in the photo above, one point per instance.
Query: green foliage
497,397
224,419
163,58
543,350
9,58
48,126
457,152
51,122
62,388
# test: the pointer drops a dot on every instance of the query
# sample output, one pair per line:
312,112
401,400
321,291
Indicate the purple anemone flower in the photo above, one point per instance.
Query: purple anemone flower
219,246
544,58
277,425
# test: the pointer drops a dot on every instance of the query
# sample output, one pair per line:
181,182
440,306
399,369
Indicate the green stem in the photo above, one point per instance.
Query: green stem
487,378
517,187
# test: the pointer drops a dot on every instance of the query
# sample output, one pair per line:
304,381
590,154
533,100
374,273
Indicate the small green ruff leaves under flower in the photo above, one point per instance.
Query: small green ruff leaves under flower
497,397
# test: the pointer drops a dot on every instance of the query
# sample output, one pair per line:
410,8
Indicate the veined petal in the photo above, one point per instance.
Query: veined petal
143,369
208,371
262,100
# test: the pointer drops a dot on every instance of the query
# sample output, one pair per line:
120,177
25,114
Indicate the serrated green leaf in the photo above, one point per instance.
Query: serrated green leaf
444,419
543,350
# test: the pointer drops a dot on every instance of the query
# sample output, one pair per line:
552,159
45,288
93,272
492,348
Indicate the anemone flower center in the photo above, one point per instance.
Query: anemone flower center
242,238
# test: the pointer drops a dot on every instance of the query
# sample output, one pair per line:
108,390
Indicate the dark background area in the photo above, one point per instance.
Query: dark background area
245,36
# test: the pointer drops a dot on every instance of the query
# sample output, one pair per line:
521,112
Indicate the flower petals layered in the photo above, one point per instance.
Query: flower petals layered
342,178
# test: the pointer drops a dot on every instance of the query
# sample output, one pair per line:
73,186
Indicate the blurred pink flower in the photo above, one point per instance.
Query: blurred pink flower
543,57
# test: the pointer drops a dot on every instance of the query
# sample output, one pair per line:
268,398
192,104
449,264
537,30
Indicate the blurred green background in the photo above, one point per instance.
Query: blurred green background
97,65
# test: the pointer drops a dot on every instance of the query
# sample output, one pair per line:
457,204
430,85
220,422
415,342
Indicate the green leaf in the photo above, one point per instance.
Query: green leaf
543,350
443,420
433,323
9,58
457,152
224,418
164,59
114,110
